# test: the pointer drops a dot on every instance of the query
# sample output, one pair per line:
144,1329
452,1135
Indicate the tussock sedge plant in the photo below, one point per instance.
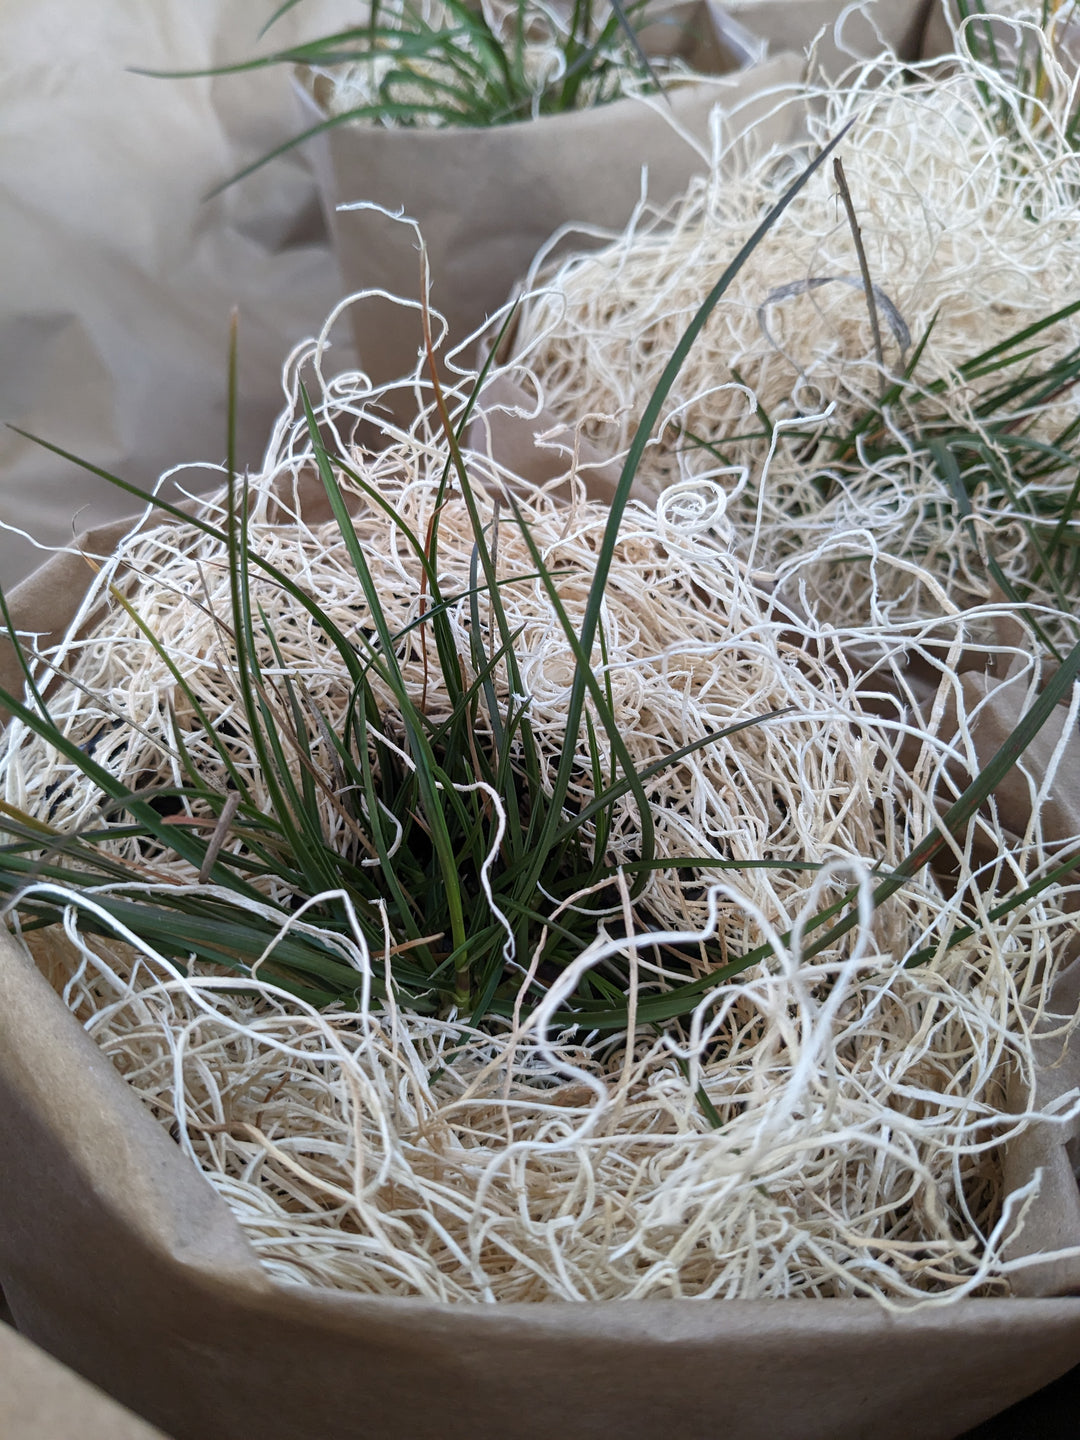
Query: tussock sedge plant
505,897
470,63
936,424
426,794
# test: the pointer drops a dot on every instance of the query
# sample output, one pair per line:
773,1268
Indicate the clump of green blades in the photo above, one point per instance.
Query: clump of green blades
997,456
448,949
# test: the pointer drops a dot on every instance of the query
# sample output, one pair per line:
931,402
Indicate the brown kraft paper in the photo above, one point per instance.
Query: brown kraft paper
41,1400
119,275
118,1257
486,200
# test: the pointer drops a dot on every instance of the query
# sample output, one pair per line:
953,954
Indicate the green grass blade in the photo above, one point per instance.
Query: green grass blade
649,419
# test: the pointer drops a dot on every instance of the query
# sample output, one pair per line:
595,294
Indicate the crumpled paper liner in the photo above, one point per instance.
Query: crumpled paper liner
487,199
41,1400
119,275
118,1257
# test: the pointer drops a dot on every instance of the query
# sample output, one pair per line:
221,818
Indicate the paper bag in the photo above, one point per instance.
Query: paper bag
41,1400
487,199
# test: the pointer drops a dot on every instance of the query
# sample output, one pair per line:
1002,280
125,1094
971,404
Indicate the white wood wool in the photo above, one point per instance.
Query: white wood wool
860,1104
966,206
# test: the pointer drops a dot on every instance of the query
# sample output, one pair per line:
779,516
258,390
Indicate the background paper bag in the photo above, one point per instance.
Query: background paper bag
487,199
41,1400
118,1257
